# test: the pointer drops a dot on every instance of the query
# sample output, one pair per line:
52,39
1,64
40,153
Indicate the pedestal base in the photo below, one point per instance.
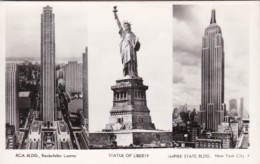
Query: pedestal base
129,109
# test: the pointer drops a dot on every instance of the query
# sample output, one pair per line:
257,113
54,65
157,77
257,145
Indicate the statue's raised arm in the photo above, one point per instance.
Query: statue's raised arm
116,17
129,45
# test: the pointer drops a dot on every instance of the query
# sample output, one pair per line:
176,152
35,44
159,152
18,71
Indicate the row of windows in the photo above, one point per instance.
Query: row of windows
208,144
120,95
139,94
121,120
141,119
212,38
123,94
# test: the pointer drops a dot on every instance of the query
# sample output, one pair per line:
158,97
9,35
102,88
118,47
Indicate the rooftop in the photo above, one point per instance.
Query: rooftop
74,95
63,127
208,140
24,94
35,126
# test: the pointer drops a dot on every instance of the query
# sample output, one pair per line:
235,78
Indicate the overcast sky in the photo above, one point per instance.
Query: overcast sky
92,24
189,23
23,29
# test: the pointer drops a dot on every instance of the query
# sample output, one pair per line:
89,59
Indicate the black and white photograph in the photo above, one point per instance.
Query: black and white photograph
129,82
211,76
130,77
45,50
78,83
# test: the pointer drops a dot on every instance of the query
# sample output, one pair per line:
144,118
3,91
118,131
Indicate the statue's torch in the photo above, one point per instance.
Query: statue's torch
115,11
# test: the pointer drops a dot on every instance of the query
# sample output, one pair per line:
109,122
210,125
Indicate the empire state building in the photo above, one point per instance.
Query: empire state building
212,94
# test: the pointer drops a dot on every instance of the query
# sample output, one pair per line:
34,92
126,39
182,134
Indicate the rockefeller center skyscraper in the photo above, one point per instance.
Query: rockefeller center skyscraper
48,76
212,66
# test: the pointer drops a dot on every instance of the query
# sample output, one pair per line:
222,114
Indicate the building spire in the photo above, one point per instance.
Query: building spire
213,17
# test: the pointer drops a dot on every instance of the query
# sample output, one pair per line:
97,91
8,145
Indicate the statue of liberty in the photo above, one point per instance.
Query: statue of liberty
128,47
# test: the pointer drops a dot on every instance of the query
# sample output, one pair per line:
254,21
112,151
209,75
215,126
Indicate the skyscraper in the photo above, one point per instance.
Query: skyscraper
48,130
11,95
85,83
73,77
212,97
233,104
48,72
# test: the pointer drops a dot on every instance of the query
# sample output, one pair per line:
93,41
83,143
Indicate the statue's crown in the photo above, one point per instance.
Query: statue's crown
126,22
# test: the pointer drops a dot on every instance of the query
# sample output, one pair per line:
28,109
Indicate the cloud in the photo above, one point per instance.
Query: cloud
186,47
178,79
186,58
189,23
182,12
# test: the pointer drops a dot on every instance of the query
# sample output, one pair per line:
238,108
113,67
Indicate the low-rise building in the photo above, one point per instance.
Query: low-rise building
24,100
223,127
208,143
73,102
234,127
225,137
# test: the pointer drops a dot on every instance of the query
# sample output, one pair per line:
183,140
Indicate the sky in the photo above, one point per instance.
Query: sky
189,23
79,25
153,26
23,24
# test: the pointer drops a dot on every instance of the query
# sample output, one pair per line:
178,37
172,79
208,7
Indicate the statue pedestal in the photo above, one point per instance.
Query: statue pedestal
129,109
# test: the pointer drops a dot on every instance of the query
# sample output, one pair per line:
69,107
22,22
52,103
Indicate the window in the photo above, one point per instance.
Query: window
141,119
120,120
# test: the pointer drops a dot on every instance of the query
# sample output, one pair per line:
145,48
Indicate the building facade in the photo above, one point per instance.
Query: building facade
233,104
225,138
212,97
208,143
73,102
24,100
48,70
129,109
73,77
11,95
85,85
234,126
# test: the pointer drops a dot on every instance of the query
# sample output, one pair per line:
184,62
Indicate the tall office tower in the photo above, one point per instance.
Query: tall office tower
11,95
212,97
242,107
85,84
48,72
233,104
73,77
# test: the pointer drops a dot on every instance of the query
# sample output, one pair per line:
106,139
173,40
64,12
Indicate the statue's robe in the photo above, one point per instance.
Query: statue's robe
128,47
